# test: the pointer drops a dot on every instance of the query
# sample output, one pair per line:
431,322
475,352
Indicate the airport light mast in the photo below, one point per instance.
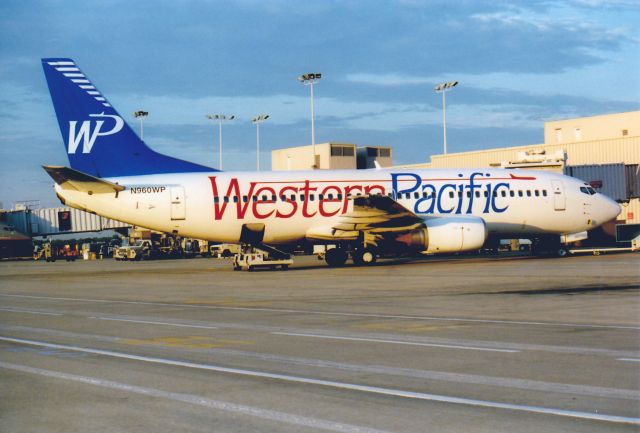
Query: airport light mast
141,115
220,118
444,88
257,121
309,80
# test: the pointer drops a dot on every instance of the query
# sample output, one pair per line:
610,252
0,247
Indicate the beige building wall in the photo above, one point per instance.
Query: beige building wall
600,141
615,150
618,125
329,156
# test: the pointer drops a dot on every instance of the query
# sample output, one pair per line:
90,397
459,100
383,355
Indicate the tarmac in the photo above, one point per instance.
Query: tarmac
455,344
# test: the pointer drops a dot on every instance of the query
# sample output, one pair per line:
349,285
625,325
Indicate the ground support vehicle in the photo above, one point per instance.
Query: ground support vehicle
141,250
46,252
224,250
251,258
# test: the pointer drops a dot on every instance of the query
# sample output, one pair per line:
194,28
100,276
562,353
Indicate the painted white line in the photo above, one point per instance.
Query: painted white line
504,382
115,319
628,359
331,313
17,310
408,343
338,385
252,411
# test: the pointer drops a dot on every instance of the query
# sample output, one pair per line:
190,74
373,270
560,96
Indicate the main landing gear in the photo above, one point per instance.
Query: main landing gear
361,256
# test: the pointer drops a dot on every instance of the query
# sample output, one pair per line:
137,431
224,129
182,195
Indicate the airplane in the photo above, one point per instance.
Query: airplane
356,214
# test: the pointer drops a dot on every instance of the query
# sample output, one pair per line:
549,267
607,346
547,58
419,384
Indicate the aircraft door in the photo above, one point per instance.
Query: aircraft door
178,205
559,199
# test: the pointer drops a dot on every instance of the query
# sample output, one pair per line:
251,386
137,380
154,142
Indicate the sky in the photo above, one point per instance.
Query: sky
518,63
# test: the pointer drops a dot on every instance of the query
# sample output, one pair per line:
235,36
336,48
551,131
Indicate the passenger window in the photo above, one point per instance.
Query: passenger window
226,199
301,197
450,194
477,194
320,197
468,194
245,198
293,197
216,199
520,193
512,193
330,196
503,193
459,194
283,197
339,196
528,193
416,194
312,197
265,198
235,199
274,198
537,193
424,194
495,193
544,192
408,196
433,194
486,194
255,198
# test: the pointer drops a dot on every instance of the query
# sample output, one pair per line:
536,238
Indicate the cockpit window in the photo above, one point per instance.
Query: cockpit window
591,190
587,190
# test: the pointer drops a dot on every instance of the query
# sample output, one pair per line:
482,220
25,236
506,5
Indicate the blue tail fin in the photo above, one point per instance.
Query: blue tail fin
98,140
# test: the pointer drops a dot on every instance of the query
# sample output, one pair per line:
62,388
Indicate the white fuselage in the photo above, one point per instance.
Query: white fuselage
214,206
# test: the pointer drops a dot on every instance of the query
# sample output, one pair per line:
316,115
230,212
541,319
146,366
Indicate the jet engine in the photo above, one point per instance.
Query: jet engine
449,234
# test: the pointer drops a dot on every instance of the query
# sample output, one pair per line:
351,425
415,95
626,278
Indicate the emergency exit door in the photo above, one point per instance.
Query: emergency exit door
559,199
178,206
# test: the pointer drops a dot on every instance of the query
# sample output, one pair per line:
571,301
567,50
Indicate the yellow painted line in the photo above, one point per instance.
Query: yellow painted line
227,302
409,327
187,342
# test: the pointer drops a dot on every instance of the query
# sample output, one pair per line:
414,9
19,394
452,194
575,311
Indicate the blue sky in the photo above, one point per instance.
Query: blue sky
518,64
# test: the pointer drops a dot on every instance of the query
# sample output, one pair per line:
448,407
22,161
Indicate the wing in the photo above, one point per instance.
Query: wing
373,215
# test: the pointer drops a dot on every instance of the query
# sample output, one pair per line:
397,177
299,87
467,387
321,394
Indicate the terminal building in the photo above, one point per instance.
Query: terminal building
331,156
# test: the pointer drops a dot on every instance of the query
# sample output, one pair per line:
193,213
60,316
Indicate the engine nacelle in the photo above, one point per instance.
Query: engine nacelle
450,234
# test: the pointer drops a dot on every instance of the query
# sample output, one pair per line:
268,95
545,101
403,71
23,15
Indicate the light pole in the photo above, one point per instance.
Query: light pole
141,115
220,118
444,88
257,121
309,80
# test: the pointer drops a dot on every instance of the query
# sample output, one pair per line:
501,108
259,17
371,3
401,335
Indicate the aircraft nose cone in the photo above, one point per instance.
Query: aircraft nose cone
611,209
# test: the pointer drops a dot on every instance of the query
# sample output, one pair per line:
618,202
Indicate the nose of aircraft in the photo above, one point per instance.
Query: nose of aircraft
610,209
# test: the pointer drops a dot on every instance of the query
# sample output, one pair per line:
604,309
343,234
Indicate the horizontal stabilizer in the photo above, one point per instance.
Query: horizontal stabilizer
69,178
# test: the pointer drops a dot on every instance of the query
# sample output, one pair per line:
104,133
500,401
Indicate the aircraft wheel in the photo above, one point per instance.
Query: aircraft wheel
562,252
364,256
335,257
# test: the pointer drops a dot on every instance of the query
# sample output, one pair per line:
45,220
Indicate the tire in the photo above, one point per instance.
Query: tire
364,256
335,257
562,252
285,267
